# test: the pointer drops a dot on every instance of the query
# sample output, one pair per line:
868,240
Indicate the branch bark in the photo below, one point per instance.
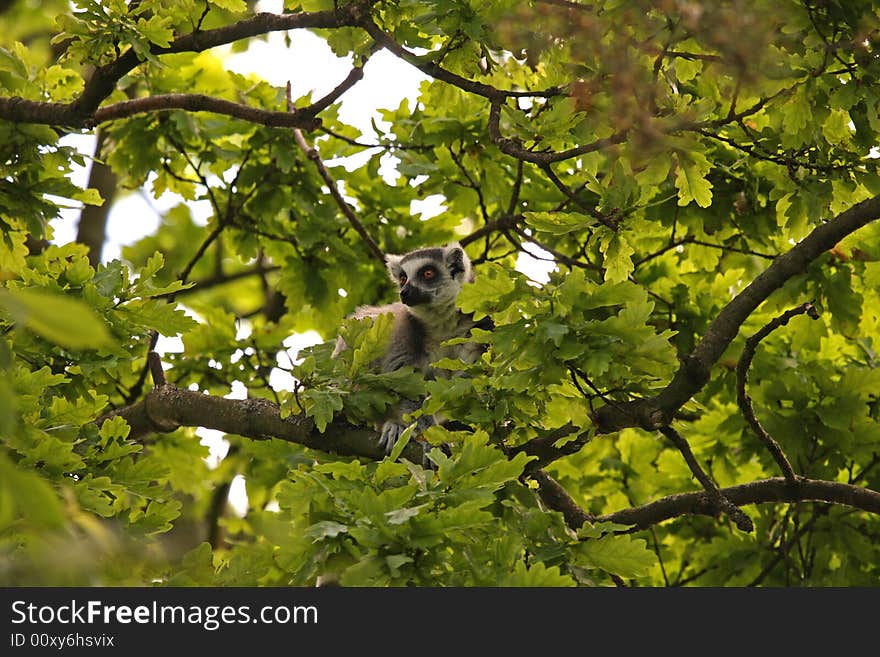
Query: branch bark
84,112
694,373
742,376
301,118
762,491
554,495
714,494
92,227
166,408
434,70
312,153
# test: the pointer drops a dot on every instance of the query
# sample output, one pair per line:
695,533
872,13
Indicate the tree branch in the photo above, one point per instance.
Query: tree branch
300,118
167,407
92,226
313,155
84,112
762,491
557,498
259,269
434,70
721,503
695,370
785,548
742,376
513,147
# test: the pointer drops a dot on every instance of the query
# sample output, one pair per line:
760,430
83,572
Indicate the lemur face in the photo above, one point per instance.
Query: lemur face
431,276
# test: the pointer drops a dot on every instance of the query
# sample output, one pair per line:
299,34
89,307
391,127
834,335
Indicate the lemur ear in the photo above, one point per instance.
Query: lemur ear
457,262
393,263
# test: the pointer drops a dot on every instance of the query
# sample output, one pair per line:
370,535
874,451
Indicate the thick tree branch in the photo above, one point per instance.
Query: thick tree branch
557,498
544,448
696,368
84,112
776,489
301,118
92,227
167,407
104,80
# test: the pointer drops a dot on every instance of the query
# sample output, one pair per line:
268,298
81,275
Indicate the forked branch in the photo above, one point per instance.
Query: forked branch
314,156
742,376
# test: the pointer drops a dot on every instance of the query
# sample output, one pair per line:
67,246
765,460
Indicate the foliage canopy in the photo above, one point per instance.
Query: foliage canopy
691,398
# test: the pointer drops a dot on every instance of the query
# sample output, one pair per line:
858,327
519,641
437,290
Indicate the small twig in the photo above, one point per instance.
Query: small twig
513,148
313,155
471,183
784,548
517,187
354,76
694,576
692,240
742,376
716,497
212,236
156,371
558,256
608,221
434,70
501,224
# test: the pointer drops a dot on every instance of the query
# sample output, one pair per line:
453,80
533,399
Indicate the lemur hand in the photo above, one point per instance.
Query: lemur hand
392,430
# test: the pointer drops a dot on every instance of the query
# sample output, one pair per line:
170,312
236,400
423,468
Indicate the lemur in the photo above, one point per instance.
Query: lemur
425,317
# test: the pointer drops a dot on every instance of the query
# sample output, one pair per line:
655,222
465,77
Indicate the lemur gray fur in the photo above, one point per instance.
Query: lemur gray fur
429,280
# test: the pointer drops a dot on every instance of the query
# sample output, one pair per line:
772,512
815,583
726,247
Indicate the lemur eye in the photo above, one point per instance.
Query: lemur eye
429,273
402,279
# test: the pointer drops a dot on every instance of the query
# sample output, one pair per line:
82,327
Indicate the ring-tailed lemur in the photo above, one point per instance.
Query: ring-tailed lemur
425,317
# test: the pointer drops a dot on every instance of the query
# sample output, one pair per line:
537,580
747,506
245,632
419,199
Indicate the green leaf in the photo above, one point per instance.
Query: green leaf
89,197
400,516
558,223
537,575
372,343
157,29
157,315
797,115
115,427
235,6
322,405
61,319
27,497
690,179
620,555
495,283
402,442
12,254
326,529
836,127
618,258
